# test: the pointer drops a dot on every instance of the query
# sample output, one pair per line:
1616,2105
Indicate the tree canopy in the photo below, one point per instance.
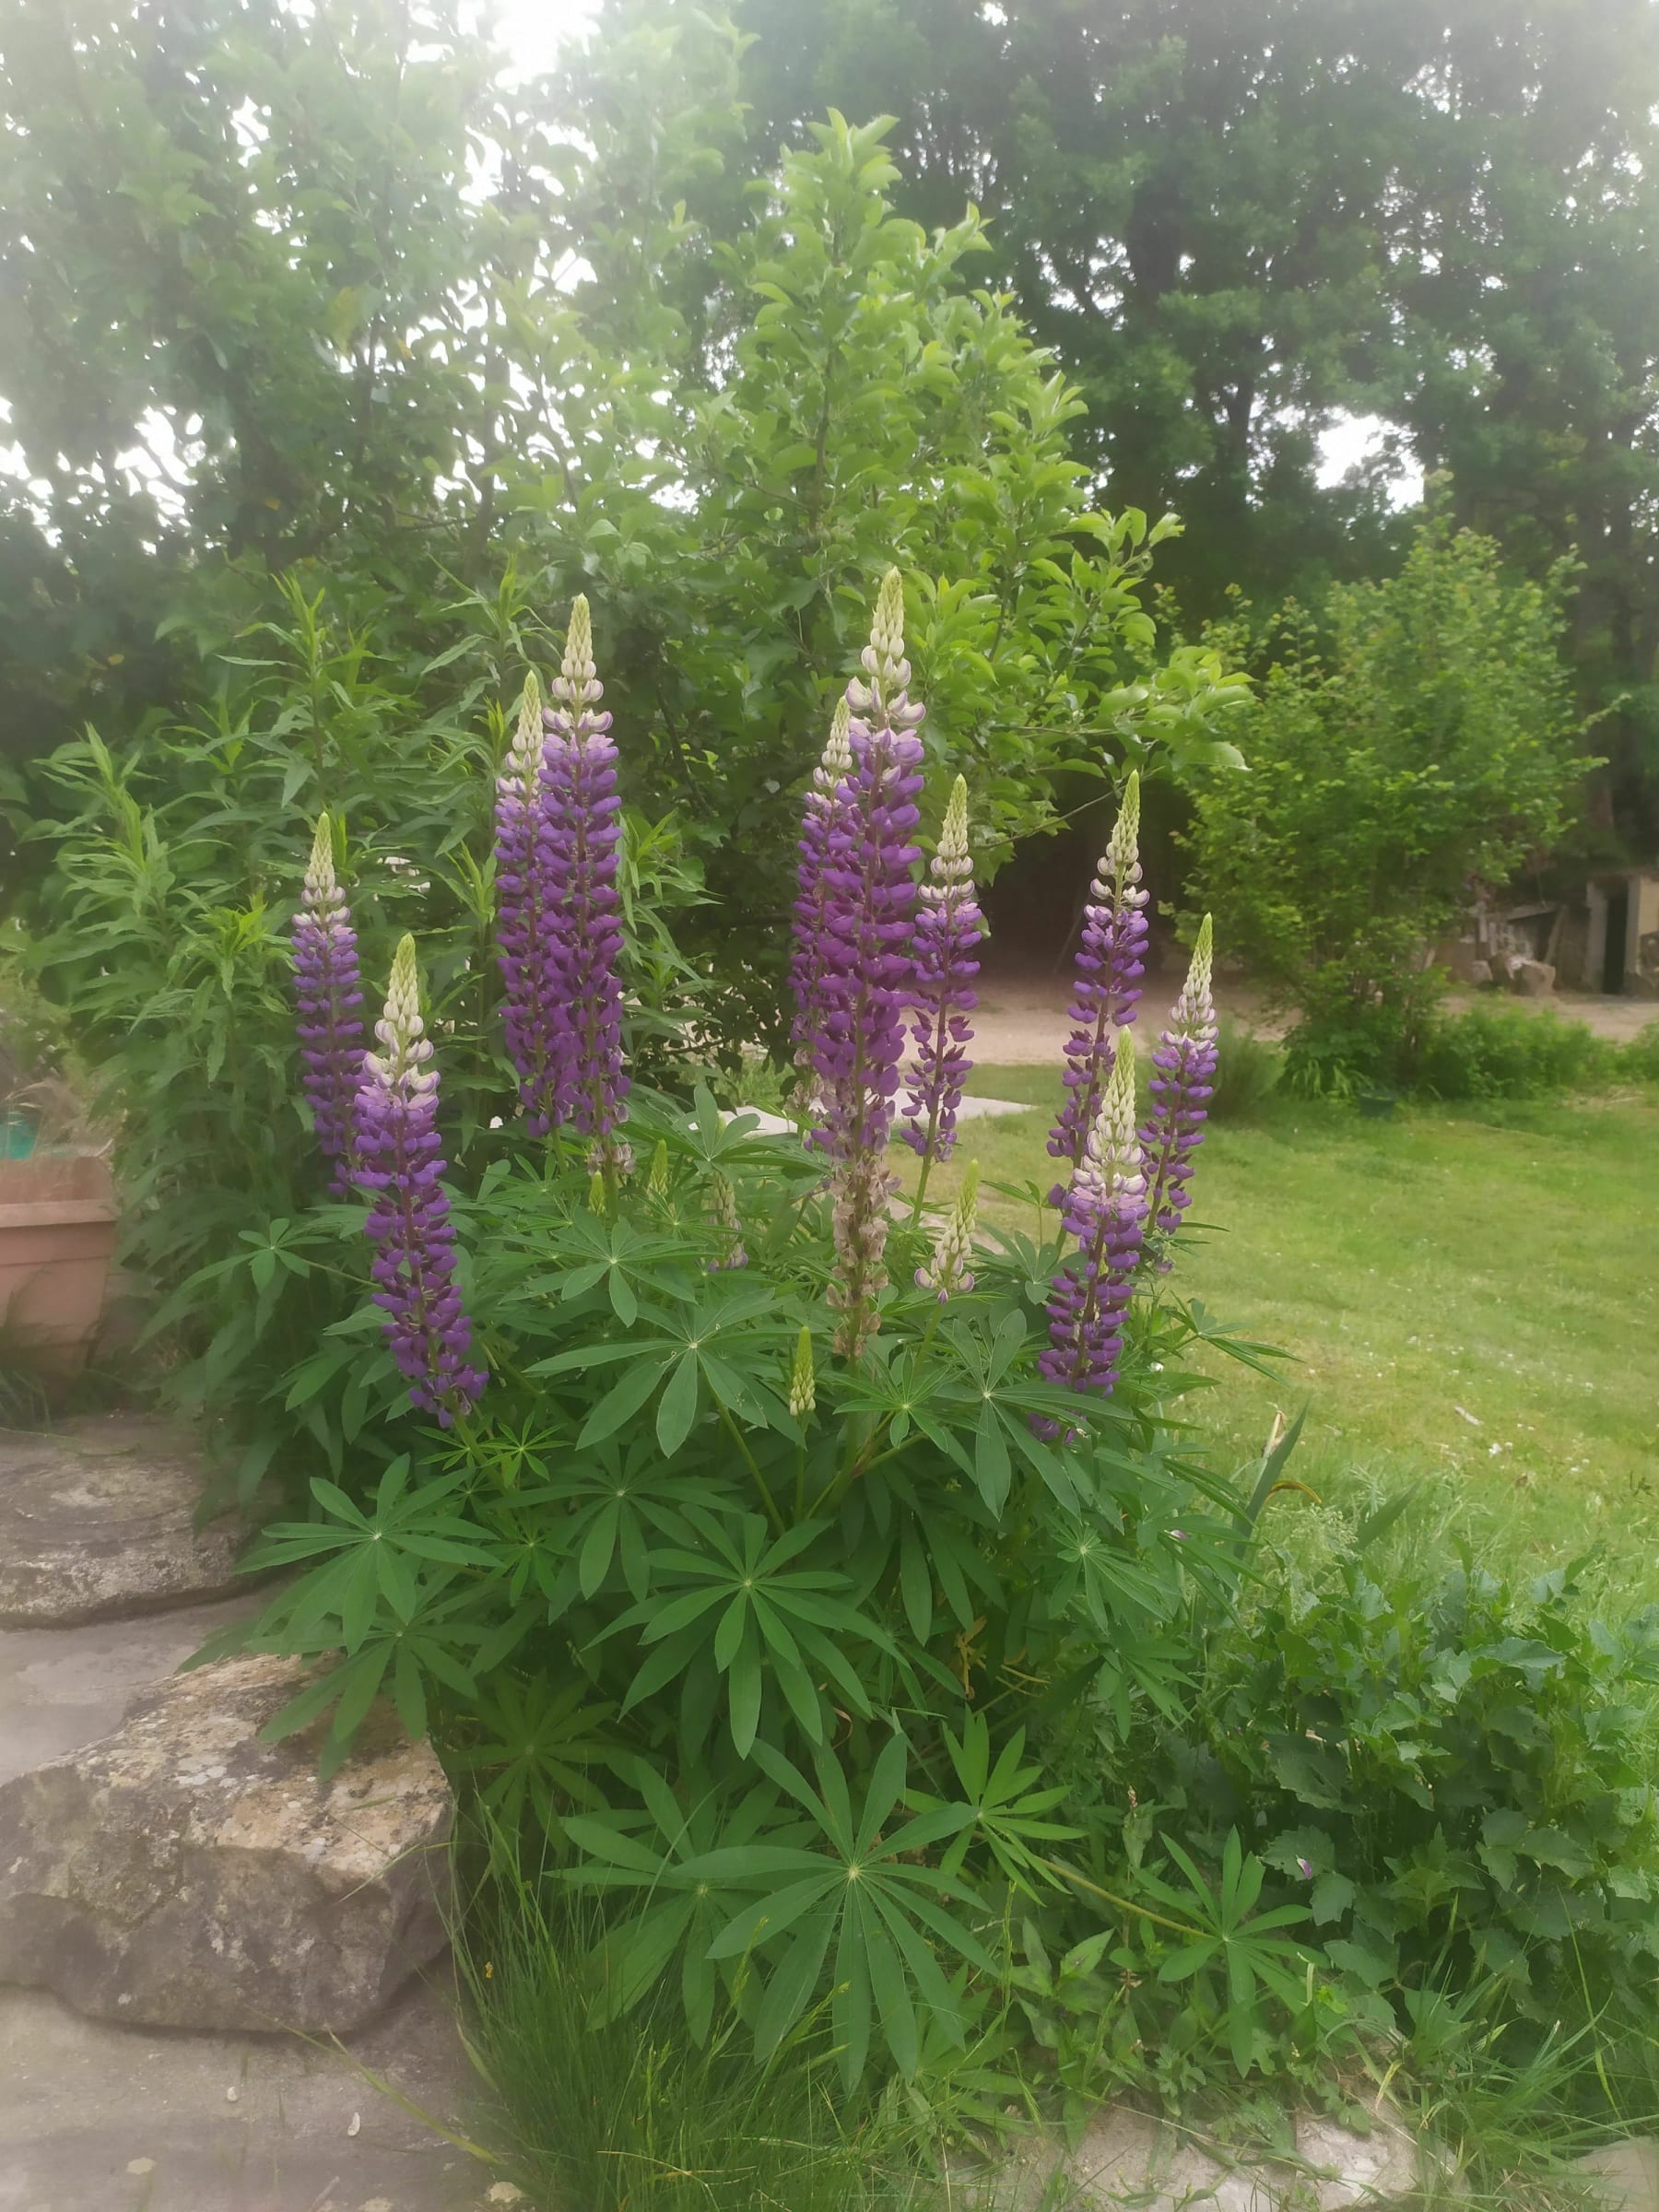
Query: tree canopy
1231,222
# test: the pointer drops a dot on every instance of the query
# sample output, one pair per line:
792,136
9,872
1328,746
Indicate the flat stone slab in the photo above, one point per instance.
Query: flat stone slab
1127,2158
185,1872
98,1520
97,2118
63,1687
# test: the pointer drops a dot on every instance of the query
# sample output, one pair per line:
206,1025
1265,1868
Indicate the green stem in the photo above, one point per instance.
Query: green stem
754,1467
927,1162
1126,1904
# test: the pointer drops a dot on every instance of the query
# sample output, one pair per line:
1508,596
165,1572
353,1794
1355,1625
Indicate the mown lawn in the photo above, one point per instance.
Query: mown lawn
1470,1294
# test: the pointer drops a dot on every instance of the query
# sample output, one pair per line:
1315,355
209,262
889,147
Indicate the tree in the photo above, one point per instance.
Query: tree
1230,223
1425,744
420,352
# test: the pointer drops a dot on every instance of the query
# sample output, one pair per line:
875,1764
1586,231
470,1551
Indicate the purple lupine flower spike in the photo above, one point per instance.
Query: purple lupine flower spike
577,836
1111,957
1105,1210
1183,1077
531,1011
946,958
329,995
402,1166
858,1041
810,926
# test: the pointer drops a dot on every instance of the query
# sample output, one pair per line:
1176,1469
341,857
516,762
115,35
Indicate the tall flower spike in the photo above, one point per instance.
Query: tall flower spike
533,1017
947,1272
1183,1078
946,956
803,1382
857,1040
1104,1211
807,962
723,1211
402,1166
578,831
329,995
1111,957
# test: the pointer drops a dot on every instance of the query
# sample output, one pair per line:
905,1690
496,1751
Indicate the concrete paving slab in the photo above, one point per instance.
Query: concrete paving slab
97,1519
97,2118
63,1687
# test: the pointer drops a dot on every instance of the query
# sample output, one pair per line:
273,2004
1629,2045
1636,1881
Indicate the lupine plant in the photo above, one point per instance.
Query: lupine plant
329,995
772,1546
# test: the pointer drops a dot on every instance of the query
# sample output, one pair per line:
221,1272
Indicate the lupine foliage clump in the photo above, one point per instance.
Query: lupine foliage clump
774,1545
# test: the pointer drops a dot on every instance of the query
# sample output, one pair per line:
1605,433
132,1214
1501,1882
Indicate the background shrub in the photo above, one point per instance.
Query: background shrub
1457,1771
1504,1051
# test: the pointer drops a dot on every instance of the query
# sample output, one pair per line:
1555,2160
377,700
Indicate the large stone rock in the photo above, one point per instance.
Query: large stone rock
1622,2176
182,1874
98,1520
1532,978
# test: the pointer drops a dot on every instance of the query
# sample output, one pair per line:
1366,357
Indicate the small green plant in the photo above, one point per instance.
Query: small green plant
1640,1059
1455,1772
614,2114
1248,1068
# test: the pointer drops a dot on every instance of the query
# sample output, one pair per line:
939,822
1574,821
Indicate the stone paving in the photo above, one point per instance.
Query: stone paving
96,2117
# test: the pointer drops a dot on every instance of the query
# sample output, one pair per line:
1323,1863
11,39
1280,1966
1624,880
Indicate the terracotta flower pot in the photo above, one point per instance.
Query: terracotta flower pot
57,1235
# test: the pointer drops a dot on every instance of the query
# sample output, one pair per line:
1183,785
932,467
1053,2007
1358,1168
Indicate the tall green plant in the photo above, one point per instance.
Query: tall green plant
1419,743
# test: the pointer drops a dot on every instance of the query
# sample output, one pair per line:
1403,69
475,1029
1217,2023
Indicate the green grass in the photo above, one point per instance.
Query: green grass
588,2113
1468,1293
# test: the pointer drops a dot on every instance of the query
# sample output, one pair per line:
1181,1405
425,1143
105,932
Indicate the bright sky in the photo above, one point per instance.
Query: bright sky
532,31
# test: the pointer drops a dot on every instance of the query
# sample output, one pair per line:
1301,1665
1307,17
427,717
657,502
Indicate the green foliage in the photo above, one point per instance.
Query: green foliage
1427,743
787,1693
176,864
1640,1058
589,362
1248,1070
1498,1052
1231,222
1458,1773
632,2115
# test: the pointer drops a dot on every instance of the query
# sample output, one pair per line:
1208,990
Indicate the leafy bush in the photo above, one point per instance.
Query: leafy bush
1640,1058
1248,1070
1419,736
1455,1772
1507,1053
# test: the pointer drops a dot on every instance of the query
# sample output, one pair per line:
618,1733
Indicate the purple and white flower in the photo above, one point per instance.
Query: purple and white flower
857,1037
400,1165
948,1271
1183,1078
578,832
1105,1210
945,963
1111,957
329,995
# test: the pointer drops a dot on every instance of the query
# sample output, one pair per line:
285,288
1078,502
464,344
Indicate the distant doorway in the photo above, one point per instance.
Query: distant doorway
1619,925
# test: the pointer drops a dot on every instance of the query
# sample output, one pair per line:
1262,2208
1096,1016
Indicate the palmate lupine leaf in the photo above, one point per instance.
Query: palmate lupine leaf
650,1851
1008,1807
866,1907
373,1556
717,1342
1230,1934
741,1597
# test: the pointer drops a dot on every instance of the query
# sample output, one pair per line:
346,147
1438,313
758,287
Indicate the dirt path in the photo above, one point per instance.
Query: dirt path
1022,1019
